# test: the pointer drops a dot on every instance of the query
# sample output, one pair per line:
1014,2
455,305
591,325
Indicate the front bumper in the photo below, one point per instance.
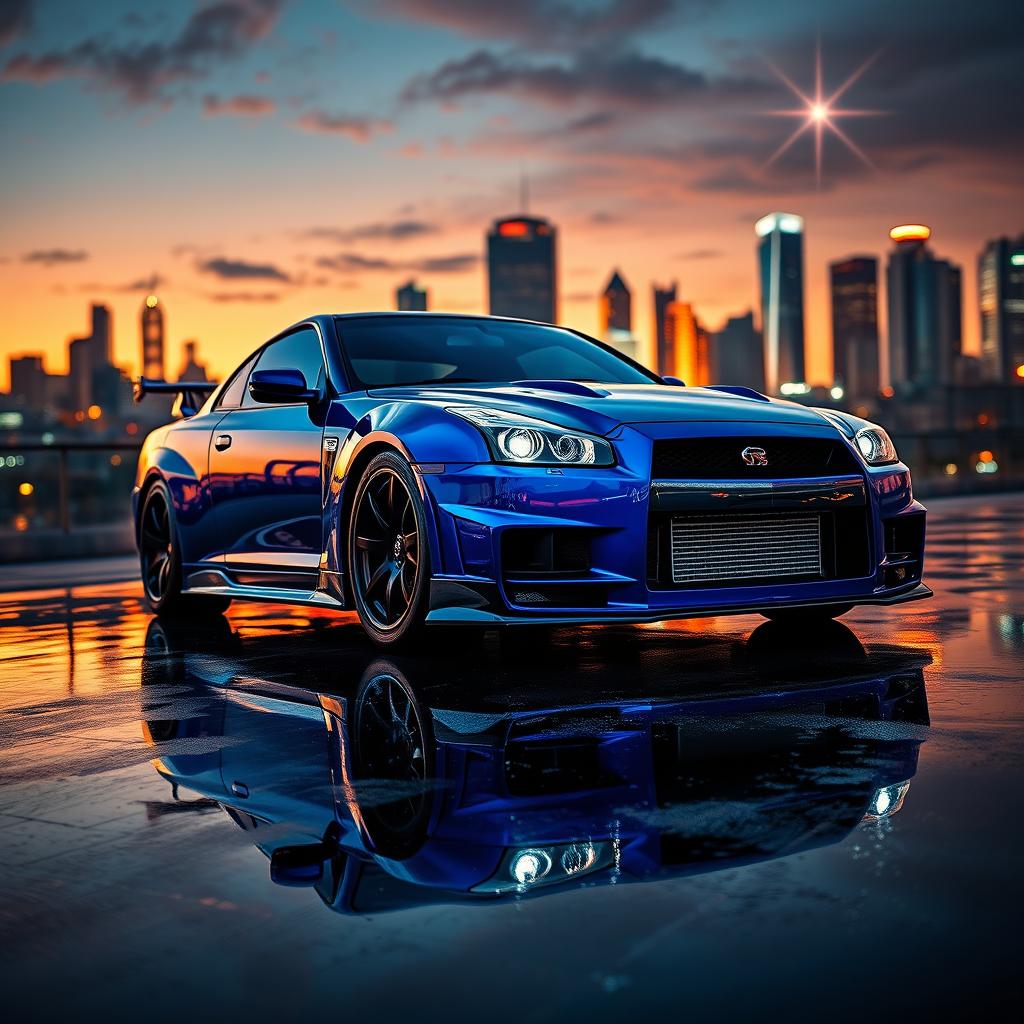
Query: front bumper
474,506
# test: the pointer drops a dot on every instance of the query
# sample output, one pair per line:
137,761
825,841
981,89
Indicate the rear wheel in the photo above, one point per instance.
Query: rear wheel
810,615
160,561
387,551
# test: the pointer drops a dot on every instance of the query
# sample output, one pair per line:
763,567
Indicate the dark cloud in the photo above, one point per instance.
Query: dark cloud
347,262
243,296
238,106
151,283
617,78
53,257
392,231
142,70
15,19
355,127
232,270
540,23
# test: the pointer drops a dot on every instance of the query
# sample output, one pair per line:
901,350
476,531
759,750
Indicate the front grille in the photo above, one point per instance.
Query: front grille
713,548
720,458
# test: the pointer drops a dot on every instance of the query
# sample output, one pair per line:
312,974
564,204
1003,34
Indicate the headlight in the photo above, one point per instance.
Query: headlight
875,446
522,439
528,867
886,802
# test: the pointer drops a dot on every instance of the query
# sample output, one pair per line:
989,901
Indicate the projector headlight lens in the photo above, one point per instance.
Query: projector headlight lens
526,868
887,801
525,440
875,446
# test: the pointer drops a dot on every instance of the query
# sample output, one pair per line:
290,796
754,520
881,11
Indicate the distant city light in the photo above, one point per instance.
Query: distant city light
788,223
131,428
25,489
11,420
21,523
152,300
910,233
951,469
987,467
513,228
837,392
1020,371
47,438
985,456
795,387
95,412
1017,259
115,460
888,391
982,419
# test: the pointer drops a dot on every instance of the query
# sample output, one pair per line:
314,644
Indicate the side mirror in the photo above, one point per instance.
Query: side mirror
674,381
299,865
281,386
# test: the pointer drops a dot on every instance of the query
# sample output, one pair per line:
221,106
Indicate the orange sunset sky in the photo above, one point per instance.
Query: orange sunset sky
254,161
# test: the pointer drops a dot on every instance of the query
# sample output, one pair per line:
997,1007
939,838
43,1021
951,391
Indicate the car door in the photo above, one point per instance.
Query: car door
265,465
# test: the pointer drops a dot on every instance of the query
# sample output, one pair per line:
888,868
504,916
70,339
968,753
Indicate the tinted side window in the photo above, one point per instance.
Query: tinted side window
231,396
299,351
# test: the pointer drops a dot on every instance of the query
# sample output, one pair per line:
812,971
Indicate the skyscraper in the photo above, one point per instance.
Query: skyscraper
28,381
689,344
664,343
924,302
193,369
152,339
737,354
411,298
781,265
854,284
1001,297
89,368
616,306
521,269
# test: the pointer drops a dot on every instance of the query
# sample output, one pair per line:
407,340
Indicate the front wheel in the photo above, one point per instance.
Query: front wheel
808,615
160,561
388,555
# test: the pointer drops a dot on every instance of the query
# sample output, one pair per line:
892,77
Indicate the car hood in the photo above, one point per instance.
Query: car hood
602,407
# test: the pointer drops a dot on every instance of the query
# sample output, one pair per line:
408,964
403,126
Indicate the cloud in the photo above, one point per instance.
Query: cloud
355,127
53,257
539,23
141,71
700,254
15,19
623,79
392,231
153,282
235,270
238,106
348,262
243,296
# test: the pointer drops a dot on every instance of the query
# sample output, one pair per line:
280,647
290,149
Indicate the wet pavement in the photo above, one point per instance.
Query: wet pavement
717,819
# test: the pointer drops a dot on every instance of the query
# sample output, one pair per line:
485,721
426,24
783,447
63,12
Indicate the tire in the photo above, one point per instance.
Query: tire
816,613
388,552
393,754
160,561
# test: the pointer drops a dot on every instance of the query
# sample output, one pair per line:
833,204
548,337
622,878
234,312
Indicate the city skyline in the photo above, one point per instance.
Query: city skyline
243,178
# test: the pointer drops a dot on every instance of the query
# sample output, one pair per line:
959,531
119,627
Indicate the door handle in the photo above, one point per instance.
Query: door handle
223,441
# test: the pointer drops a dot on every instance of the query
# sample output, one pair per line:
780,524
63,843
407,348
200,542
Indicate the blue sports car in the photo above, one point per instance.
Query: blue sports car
428,469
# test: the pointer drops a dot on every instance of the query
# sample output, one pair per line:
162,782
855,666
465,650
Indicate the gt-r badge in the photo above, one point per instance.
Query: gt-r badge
754,456
330,444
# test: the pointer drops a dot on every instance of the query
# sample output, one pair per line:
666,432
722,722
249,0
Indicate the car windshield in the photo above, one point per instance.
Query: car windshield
385,351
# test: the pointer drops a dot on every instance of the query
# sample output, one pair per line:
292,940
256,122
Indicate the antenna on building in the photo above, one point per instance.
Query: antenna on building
524,191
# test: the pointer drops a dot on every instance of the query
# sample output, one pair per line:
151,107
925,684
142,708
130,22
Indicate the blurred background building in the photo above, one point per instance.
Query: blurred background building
409,297
521,269
855,351
780,254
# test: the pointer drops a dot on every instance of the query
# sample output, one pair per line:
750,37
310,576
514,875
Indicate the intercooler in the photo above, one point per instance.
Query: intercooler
709,548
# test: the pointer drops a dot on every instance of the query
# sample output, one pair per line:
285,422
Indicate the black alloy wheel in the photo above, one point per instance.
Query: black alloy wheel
160,561
394,760
156,549
387,551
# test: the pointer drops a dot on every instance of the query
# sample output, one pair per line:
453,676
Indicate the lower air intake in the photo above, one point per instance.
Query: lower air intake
741,548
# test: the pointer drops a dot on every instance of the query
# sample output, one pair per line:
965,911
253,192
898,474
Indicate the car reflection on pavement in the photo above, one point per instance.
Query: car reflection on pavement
386,783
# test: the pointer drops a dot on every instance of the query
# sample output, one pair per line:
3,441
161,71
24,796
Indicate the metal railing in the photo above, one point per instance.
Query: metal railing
64,451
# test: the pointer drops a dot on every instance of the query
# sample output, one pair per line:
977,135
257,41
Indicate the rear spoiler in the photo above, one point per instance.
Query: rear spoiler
191,393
